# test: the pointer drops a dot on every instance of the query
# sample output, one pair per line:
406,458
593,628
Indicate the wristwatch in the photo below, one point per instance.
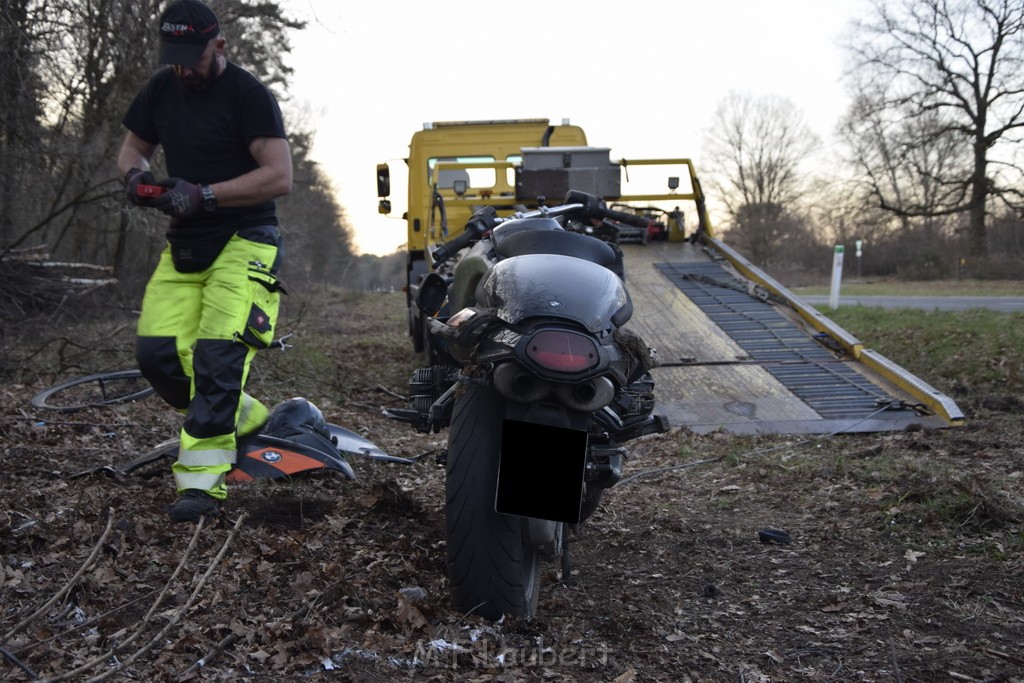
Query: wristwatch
209,199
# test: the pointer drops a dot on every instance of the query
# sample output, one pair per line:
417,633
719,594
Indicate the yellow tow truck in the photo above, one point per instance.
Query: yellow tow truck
738,351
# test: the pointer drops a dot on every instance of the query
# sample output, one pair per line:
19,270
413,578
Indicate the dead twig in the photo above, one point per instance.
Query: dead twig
225,643
142,624
1016,660
18,663
296,617
387,391
181,612
302,612
68,586
77,627
895,663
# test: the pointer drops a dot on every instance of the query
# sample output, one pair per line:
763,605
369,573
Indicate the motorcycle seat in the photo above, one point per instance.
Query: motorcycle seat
557,242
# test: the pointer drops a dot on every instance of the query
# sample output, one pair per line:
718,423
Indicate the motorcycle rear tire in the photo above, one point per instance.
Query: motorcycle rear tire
591,499
492,568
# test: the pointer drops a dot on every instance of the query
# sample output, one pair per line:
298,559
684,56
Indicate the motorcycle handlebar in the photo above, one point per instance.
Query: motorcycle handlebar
627,218
445,251
482,222
595,207
575,201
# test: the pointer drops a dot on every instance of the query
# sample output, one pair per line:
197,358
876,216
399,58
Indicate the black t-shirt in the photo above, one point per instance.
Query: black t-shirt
206,139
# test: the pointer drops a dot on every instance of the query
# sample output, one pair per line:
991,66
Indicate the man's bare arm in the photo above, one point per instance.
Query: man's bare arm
134,153
272,179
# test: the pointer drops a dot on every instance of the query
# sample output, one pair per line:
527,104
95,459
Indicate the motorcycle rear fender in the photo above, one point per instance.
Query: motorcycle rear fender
543,533
552,413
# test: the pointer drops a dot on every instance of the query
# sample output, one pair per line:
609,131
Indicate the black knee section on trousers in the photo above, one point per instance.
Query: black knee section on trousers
219,365
158,360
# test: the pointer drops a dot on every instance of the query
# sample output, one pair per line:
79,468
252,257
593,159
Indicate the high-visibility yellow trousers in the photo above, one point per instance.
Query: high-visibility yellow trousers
197,335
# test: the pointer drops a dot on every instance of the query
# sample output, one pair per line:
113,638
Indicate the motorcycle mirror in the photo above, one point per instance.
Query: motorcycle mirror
433,291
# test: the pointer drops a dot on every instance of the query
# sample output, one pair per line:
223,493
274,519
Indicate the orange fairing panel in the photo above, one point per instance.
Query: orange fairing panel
272,463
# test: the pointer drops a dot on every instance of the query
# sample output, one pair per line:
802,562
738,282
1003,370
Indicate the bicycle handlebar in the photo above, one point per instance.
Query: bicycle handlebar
281,343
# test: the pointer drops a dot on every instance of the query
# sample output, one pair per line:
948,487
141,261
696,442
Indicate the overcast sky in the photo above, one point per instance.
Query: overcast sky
641,77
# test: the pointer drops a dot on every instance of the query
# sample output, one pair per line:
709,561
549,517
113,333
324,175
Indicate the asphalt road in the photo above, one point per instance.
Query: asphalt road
1003,304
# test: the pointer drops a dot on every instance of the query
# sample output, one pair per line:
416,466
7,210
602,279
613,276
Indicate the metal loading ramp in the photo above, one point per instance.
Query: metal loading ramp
736,357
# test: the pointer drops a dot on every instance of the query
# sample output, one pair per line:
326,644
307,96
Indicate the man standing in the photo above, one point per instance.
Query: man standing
213,299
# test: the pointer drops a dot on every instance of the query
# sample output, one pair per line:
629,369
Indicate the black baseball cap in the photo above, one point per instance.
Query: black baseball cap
186,26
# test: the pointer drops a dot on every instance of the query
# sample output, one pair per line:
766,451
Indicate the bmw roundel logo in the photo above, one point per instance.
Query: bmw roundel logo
271,456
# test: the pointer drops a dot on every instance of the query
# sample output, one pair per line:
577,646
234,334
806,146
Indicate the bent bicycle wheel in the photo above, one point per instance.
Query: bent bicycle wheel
100,389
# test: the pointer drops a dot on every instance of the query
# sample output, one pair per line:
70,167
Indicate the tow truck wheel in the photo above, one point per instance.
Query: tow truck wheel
415,332
426,345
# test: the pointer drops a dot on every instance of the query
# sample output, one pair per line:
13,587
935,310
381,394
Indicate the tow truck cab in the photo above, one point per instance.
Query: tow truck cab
488,158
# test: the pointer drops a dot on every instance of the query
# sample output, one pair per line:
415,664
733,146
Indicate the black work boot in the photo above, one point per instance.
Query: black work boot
193,506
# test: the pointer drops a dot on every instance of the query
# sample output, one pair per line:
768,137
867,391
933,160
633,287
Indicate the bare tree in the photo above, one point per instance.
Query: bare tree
906,164
75,65
755,151
68,71
956,69
21,88
258,32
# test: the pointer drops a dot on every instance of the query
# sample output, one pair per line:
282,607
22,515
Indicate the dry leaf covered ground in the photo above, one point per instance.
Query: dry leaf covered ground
905,563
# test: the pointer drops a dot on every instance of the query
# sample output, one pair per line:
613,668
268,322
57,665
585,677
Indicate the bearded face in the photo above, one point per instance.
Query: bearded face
199,77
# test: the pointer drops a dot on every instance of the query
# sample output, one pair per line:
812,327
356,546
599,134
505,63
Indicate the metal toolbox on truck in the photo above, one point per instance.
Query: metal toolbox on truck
552,171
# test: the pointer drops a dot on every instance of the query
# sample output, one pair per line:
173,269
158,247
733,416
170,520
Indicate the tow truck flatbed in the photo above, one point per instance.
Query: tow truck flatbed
736,355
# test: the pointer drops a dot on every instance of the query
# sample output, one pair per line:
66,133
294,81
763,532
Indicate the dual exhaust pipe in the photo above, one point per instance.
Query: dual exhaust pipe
518,384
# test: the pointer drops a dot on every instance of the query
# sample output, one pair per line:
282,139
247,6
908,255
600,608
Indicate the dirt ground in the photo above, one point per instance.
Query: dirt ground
906,560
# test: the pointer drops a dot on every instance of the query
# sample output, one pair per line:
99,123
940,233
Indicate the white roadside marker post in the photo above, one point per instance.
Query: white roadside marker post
837,276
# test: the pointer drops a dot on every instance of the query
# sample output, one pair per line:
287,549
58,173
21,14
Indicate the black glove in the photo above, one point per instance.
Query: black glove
132,179
181,199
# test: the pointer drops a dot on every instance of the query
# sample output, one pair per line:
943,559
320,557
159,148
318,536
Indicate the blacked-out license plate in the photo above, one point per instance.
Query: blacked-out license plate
540,471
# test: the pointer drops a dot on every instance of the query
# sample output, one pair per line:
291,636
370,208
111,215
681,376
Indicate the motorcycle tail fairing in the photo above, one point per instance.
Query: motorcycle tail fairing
552,285
267,457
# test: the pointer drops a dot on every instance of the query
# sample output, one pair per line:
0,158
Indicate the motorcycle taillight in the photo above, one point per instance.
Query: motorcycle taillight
562,351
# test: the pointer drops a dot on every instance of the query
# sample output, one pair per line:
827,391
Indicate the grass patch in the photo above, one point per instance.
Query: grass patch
891,287
364,348
975,506
963,352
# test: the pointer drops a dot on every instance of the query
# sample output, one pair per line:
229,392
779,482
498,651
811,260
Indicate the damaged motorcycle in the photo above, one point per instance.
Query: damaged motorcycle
539,384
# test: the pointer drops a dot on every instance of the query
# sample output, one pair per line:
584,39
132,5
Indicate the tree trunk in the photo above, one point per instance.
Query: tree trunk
977,239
